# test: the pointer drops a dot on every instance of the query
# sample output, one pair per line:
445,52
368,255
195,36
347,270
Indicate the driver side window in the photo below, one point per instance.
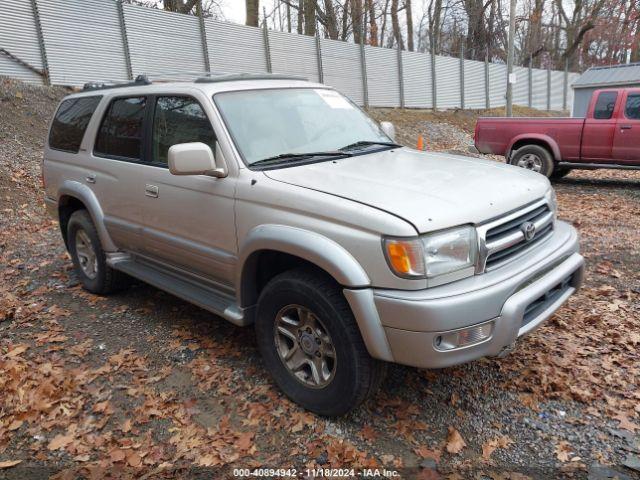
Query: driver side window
179,119
605,105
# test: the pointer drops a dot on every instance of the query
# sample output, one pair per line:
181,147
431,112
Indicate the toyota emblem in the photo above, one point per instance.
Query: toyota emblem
529,230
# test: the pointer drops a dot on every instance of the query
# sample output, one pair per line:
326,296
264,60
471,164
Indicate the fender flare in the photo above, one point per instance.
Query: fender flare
538,137
327,255
83,193
310,246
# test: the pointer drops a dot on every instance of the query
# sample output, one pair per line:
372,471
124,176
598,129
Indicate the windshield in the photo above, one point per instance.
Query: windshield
268,123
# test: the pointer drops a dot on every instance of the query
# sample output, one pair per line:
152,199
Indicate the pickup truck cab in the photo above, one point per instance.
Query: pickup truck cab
276,202
609,137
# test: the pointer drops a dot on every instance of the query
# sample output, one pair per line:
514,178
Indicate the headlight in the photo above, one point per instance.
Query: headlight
434,254
552,200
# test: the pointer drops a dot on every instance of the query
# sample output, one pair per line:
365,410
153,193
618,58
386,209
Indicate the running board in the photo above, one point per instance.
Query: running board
205,297
594,166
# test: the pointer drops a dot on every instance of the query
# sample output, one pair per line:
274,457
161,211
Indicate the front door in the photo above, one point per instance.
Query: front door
599,129
626,144
187,221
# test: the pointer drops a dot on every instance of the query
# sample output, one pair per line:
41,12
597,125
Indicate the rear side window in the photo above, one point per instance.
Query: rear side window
604,105
179,120
120,134
70,123
632,107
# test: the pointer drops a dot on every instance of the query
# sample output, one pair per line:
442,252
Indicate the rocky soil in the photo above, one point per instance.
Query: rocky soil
143,385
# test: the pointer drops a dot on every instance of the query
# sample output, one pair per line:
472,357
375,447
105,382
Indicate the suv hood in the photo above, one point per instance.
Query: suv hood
430,190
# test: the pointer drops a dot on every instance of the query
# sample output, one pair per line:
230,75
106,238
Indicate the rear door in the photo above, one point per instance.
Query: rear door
626,145
599,128
188,221
116,163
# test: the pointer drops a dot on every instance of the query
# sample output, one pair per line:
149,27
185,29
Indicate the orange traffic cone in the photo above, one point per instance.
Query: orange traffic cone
420,143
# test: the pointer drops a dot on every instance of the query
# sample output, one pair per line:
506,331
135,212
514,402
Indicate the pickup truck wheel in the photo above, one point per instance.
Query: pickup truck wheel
535,158
311,344
88,257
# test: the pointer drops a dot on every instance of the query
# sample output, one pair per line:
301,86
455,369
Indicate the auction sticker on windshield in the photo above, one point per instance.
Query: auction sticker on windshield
334,99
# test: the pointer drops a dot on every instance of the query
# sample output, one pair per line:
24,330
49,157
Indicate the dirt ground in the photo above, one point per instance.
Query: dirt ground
143,385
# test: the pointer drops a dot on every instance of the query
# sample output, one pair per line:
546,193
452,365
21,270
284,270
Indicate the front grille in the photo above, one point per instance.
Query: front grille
506,240
539,305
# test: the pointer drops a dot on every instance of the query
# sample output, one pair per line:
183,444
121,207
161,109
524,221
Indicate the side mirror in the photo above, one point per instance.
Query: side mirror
388,129
194,158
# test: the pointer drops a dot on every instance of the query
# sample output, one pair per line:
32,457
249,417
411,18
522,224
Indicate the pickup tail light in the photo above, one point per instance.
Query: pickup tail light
475,134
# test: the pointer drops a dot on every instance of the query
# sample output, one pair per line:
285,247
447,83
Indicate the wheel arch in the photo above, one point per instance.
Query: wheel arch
285,245
541,140
73,196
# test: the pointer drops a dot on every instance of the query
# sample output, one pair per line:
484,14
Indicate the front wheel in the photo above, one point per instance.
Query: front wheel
311,344
534,158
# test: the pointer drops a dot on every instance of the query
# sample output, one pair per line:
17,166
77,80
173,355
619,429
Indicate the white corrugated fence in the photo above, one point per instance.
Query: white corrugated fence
78,41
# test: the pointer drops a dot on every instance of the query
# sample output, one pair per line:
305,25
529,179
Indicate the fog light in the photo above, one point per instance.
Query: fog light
463,338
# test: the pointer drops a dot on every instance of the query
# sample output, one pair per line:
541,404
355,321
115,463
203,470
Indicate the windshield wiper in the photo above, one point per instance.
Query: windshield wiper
299,156
368,143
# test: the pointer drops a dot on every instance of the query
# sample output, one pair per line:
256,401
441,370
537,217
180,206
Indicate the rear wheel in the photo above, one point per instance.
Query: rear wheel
88,257
534,158
311,344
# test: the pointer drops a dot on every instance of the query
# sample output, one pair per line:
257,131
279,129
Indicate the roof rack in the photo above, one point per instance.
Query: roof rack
196,77
229,77
140,80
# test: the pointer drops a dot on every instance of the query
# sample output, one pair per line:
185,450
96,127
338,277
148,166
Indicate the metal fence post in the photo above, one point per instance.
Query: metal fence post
267,49
125,40
434,83
530,86
43,50
203,36
487,93
462,76
565,85
548,88
401,77
319,58
365,84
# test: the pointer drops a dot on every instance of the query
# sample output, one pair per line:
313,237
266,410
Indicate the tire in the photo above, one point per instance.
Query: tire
535,158
88,257
350,377
560,172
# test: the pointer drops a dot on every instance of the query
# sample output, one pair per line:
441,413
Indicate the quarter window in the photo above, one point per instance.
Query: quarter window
604,105
120,134
70,123
632,107
176,120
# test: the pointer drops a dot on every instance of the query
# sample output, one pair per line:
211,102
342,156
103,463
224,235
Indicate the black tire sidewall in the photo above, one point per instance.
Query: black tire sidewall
541,152
82,220
341,394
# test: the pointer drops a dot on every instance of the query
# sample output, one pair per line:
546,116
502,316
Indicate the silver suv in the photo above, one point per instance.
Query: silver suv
273,201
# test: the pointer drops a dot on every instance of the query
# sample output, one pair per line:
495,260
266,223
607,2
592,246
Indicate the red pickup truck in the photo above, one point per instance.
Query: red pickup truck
609,137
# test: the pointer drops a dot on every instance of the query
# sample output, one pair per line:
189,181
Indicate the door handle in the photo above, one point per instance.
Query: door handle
91,178
151,191
625,127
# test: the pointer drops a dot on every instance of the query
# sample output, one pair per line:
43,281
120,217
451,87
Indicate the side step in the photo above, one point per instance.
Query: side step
205,297
594,166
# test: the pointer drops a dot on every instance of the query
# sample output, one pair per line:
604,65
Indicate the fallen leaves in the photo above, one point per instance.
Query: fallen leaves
489,447
625,422
455,442
9,464
60,441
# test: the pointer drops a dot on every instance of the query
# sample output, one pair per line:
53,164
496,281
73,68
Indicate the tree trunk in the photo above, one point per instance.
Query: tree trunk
300,16
395,24
331,20
435,23
373,25
310,17
253,12
409,12
356,17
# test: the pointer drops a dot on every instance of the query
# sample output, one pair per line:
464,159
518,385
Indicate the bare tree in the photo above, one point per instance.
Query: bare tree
253,12
409,13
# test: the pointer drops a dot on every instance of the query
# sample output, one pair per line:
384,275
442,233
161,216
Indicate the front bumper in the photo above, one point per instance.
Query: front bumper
516,298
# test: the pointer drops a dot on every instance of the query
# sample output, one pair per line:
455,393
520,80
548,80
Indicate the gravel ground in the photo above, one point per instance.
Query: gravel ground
141,383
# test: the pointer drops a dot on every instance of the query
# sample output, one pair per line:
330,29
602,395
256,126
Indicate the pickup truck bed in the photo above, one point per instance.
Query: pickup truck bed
609,137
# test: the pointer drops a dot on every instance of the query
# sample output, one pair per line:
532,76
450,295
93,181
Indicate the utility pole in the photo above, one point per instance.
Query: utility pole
510,54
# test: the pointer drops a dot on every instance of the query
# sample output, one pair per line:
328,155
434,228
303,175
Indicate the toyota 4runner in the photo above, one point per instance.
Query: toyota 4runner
273,201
